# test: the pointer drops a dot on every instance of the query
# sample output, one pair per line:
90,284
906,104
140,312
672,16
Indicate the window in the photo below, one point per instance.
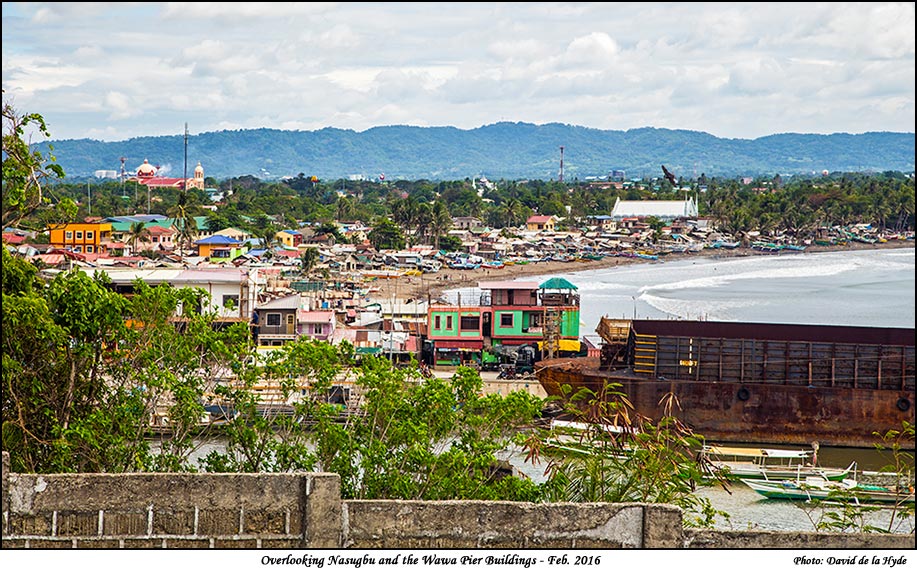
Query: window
437,323
77,249
448,322
506,320
273,319
79,235
154,239
231,301
68,235
469,323
88,248
90,235
318,329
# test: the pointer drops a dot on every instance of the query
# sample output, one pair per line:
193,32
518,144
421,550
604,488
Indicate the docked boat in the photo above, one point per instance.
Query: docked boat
816,488
775,384
737,463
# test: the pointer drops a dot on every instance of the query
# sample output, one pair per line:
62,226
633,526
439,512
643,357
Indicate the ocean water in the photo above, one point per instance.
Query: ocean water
857,288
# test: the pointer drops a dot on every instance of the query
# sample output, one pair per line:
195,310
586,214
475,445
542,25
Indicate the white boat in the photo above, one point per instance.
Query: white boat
817,488
770,464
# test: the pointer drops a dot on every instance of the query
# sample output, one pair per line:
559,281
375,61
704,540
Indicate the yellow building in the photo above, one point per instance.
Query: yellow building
82,237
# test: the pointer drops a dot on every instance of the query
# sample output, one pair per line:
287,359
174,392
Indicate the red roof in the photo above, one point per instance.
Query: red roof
539,218
13,238
155,230
162,182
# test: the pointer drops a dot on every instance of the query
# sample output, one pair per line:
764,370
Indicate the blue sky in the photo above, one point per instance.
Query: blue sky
112,71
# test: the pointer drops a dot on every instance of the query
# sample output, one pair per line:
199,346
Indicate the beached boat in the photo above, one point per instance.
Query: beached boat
774,384
816,488
770,464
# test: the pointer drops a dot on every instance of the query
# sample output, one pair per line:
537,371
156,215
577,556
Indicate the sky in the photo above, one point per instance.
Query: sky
112,71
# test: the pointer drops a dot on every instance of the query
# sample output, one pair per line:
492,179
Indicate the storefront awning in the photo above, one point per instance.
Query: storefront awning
459,345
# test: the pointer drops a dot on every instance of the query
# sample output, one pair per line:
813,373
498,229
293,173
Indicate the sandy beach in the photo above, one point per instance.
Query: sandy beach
429,286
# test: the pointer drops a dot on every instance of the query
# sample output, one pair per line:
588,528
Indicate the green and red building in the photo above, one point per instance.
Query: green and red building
500,317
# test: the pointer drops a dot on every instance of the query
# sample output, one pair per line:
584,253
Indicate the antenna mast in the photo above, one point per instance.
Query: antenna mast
561,179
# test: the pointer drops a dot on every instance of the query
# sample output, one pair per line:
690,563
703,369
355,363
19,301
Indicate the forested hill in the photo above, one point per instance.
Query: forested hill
502,150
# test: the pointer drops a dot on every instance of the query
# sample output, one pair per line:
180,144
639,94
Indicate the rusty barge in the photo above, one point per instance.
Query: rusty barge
752,382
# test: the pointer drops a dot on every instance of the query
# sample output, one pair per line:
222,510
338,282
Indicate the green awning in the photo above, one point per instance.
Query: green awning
368,350
557,284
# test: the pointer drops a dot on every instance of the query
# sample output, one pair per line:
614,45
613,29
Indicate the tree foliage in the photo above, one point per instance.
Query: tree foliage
26,171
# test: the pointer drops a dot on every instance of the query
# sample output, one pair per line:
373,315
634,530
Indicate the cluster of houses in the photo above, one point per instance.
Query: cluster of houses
265,286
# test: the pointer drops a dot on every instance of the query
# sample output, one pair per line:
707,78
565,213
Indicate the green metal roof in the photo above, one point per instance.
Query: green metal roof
557,284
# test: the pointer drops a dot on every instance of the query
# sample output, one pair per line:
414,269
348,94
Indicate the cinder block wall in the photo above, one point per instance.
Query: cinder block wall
170,510
305,510
488,524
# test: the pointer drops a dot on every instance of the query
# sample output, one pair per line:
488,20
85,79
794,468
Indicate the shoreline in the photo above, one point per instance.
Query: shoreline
431,286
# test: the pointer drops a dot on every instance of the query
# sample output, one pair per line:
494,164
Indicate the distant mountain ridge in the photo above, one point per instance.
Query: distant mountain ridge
501,150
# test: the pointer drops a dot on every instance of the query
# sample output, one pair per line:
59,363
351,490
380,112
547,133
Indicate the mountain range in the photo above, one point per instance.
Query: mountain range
502,150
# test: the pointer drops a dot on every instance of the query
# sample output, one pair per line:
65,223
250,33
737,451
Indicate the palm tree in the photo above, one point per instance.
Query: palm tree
308,258
183,222
441,222
137,232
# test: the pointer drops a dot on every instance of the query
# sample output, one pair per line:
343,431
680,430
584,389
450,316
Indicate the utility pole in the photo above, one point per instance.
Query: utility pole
184,184
561,179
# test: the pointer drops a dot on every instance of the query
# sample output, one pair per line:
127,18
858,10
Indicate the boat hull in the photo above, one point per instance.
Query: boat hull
789,490
747,412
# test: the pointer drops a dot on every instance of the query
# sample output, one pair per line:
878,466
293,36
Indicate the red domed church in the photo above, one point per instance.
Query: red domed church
146,175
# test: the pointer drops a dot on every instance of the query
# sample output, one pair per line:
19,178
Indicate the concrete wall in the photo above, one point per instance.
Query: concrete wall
305,510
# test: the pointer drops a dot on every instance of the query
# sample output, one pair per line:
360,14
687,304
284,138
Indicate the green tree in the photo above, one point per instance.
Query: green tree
441,222
27,172
308,259
138,231
386,234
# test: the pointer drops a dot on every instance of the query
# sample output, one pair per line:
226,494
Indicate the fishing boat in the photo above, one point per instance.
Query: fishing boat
737,463
817,488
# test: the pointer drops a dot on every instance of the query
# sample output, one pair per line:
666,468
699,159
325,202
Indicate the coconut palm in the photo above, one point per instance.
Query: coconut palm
183,222
138,231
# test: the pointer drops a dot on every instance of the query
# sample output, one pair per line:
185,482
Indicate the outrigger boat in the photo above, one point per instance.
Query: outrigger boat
771,464
817,488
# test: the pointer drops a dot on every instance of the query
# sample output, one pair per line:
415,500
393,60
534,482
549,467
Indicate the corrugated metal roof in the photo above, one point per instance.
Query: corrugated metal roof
508,285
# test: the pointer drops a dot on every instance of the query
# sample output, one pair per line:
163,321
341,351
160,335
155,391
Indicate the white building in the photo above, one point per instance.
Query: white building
663,210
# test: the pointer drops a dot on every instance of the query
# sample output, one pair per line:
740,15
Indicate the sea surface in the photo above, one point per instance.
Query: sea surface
855,288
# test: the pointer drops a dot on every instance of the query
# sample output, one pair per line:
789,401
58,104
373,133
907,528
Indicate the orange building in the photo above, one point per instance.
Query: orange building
82,237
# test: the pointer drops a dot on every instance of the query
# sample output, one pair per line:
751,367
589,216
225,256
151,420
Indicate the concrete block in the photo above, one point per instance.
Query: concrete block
125,523
263,522
143,543
662,526
321,509
43,543
173,522
235,543
186,543
30,524
78,523
218,522
98,543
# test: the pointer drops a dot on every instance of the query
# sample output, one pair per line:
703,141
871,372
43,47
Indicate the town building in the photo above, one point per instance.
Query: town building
499,318
540,223
82,237
147,176
663,210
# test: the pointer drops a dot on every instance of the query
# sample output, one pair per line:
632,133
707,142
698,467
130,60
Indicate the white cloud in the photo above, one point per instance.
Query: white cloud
733,70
